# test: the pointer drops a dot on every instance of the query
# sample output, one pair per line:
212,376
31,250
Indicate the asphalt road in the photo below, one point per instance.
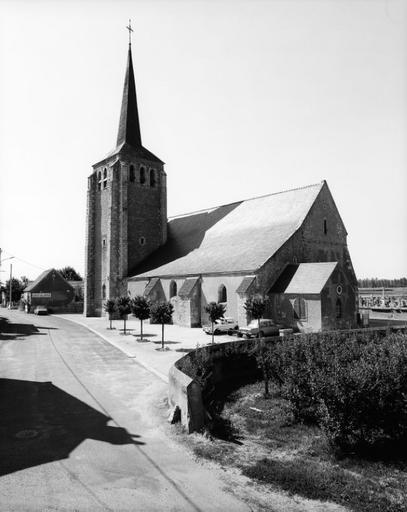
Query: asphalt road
81,428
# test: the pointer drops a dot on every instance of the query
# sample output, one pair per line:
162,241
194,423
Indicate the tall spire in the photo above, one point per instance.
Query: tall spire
129,125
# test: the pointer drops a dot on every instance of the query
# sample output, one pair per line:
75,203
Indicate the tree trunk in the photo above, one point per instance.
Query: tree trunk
124,320
110,321
162,338
213,334
141,330
258,320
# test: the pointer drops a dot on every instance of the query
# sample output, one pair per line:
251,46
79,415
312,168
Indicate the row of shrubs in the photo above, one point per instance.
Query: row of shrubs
351,384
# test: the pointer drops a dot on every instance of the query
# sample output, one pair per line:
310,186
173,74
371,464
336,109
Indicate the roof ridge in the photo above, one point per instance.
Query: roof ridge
248,199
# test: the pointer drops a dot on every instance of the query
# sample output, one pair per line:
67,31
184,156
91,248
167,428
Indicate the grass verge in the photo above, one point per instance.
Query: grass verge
295,458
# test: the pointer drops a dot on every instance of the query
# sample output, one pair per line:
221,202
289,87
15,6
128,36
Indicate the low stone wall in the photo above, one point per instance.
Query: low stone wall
202,378
221,368
185,394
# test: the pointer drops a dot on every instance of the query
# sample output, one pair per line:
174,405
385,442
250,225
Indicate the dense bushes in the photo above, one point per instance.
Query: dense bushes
354,387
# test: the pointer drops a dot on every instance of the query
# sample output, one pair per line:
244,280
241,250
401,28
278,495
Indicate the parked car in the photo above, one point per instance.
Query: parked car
40,310
267,328
222,325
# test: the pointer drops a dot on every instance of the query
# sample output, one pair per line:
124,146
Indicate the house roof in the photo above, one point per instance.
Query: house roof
304,278
34,284
238,237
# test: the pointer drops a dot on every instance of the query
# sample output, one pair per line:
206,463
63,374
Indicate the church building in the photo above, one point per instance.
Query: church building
288,247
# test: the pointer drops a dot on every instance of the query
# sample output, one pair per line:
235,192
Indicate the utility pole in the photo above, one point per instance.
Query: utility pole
11,284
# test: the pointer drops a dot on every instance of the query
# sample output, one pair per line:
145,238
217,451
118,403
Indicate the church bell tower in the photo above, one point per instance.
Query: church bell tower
126,207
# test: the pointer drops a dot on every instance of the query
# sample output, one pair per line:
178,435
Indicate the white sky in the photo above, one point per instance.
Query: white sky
239,98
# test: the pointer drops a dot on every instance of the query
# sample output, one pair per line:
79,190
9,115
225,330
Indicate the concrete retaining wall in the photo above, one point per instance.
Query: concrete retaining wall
225,366
186,394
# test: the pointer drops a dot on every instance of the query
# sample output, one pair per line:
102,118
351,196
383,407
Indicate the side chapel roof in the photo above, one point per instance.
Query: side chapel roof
304,278
238,237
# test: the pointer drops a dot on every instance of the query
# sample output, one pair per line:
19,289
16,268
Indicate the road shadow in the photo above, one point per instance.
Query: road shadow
41,423
146,335
12,330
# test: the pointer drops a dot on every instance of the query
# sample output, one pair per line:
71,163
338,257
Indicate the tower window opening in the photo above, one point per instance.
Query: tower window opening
104,291
222,293
104,242
99,180
132,176
173,289
142,240
325,227
105,184
152,178
105,174
338,309
142,175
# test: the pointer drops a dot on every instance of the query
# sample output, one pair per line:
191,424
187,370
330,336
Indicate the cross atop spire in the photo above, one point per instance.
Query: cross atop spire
130,31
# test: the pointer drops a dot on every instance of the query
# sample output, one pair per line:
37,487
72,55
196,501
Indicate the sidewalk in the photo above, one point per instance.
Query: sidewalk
178,340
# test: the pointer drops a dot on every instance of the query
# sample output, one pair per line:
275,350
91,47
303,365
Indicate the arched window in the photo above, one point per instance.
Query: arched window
173,289
132,176
222,294
99,180
300,309
338,308
104,292
142,175
325,227
152,178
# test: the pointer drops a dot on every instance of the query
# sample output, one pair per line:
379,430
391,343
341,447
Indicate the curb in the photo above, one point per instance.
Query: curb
136,359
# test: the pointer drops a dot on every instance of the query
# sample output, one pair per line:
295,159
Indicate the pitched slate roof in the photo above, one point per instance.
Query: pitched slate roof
238,237
32,286
304,278
129,134
187,287
129,125
150,286
245,284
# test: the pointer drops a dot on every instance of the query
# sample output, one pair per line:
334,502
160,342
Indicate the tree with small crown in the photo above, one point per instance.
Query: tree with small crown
140,307
110,307
255,307
124,309
215,311
162,313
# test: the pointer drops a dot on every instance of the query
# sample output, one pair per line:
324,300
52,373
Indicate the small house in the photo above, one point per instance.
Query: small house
50,289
